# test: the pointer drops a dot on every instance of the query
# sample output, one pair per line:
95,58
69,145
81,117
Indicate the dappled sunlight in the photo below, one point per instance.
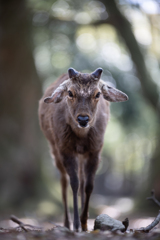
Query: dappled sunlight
42,59
131,82
59,42
109,210
143,35
86,42
96,6
105,34
110,52
92,11
82,18
46,208
62,10
114,207
153,66
60,60
141,222
124,205
150,7
124,63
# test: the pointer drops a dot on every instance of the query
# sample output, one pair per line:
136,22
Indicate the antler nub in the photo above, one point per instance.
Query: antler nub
72,72
97,73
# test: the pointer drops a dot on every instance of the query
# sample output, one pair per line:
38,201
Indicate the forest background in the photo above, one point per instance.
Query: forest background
39,41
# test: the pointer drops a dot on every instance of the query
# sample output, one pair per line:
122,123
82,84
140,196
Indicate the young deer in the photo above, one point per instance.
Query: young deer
73,116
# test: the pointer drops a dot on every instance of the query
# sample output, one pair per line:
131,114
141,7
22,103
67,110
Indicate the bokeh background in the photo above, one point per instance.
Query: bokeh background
39,41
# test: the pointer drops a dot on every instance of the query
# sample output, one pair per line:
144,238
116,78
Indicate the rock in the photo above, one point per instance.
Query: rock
105,222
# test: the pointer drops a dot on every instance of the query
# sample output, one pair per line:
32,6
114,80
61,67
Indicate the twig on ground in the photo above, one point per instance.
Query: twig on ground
16,220
153,198
22,225
152,225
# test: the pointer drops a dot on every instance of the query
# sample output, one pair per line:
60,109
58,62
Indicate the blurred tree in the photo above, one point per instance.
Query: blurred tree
20,89
149,88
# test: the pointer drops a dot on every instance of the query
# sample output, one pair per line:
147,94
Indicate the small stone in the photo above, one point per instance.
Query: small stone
105,222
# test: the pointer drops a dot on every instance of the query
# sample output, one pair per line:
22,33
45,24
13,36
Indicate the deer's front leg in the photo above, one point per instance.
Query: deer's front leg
71,167
90,170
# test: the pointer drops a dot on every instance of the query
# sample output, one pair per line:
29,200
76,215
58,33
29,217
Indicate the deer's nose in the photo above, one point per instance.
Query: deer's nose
83,120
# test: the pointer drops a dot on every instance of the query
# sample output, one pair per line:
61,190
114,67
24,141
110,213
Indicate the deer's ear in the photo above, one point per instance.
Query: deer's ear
112,94
56,97
58,94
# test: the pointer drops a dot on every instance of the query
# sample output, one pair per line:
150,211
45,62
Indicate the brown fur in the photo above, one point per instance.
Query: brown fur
76,150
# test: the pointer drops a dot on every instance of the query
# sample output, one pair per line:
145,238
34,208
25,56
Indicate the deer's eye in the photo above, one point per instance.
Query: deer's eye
98,95
70,94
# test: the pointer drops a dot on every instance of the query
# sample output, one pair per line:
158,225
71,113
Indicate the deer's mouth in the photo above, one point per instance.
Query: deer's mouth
86,126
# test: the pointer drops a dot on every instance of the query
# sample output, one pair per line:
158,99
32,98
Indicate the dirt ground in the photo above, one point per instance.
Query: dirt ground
61,233
48,231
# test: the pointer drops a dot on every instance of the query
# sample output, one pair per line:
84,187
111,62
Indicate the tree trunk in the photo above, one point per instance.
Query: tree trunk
20,90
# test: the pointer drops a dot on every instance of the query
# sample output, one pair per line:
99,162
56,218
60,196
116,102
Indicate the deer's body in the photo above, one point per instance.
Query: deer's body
75,128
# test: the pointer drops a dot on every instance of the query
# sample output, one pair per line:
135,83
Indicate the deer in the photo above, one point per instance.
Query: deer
73,113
